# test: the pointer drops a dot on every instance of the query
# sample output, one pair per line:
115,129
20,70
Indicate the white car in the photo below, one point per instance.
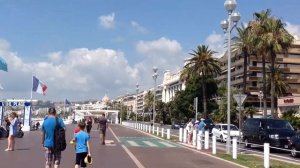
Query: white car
220,131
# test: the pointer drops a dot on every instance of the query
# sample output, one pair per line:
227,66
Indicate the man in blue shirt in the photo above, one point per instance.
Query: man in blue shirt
48,127
82,140
201,126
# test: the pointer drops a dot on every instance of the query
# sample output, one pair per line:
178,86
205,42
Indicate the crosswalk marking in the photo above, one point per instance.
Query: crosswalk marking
167,144
150,143
132,143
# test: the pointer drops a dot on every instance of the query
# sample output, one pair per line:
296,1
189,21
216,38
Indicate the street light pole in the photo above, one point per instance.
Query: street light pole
136,107
154,76
233,17
260,97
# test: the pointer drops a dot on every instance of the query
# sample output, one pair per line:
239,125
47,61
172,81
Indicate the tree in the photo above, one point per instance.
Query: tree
280,84
276,39
148,99
201,64
291,116
243,43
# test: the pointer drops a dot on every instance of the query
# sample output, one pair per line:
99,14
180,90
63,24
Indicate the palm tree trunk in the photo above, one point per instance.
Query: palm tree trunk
264,85
273,55
245,53
204,97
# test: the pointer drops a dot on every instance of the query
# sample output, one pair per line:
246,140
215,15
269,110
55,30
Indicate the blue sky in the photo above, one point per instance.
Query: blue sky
61,41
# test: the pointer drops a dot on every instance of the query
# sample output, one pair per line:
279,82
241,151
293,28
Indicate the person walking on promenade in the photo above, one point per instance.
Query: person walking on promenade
201,126
48,127
102,126
82,141
13,128
89,124
189,128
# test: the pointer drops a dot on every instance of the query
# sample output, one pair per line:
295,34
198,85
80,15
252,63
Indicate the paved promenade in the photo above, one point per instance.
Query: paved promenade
125,148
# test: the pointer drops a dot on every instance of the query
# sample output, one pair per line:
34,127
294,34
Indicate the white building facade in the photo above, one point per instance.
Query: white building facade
171,84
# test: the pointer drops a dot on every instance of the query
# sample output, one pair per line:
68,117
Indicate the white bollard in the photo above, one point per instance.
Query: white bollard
184,135
214,145
206,142
111,121
266,155
157,131
168,134
234,148
121,121
153,129
199,142
162,132
146,128
180,134
194,137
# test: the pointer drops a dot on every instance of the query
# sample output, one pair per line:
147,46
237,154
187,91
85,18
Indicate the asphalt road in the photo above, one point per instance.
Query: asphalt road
126,148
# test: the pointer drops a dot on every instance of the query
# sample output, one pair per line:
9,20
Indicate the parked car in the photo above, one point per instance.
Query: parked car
294,145
221,131
177,124
276,132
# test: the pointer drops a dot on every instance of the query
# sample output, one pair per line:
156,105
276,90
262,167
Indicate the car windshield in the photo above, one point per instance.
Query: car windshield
232,127
279,124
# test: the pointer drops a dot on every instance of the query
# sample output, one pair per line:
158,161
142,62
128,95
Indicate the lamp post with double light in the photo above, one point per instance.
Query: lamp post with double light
154,76
136,105
228,25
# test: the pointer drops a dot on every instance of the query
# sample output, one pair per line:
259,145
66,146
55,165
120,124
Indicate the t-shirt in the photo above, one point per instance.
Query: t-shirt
13,127
48,127
102,123
81,139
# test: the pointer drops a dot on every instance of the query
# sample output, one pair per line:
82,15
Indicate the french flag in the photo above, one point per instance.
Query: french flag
38,86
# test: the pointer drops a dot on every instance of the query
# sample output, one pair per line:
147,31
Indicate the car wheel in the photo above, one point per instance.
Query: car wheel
294,151
246,143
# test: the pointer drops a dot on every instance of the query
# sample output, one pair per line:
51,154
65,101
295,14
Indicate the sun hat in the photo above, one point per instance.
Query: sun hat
88,159
202,119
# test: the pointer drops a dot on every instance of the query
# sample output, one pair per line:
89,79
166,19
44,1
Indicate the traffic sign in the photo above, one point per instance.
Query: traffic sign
240,98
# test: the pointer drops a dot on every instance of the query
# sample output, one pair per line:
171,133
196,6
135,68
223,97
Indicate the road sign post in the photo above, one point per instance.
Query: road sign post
196,107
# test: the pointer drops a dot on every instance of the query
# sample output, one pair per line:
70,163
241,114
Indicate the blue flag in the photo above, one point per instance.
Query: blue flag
3,64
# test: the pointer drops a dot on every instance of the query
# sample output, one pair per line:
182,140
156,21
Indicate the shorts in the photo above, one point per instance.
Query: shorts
102,131
52,157
80,159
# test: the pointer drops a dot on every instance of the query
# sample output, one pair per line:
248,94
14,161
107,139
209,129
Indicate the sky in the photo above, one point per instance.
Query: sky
84,49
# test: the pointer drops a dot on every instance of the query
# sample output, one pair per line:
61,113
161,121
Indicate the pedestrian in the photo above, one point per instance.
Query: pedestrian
201,126
13,128
189,128
52,157
82,141
102,126
89,124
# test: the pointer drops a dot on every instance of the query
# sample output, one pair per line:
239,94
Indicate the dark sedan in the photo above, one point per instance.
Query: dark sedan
177,125
294,145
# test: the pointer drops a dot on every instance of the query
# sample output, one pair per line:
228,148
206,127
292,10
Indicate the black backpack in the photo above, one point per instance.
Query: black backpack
60,143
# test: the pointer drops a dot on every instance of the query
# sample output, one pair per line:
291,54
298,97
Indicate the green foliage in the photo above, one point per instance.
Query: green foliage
292,117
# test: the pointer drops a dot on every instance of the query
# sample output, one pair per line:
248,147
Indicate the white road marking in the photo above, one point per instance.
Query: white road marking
150,143
132,143
167,144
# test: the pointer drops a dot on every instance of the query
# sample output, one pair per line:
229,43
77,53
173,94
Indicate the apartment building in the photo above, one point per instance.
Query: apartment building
171,84
289,63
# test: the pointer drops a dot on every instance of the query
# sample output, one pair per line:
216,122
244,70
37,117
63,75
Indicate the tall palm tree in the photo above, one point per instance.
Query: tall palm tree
276,39
202,64
257,31
281,85
243,43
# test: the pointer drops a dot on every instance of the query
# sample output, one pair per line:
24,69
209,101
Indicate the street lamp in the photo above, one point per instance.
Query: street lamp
154,76
137,91
227,26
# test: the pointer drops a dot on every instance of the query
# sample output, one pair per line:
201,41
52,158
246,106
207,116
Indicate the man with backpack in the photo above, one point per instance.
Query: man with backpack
53,138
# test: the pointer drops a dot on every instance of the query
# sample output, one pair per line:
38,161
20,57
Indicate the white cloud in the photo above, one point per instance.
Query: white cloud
163,53
293,29
216,43
138,27
107,21
55,57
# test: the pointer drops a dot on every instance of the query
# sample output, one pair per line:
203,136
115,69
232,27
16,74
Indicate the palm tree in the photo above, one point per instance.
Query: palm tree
201,64
276,39
280,84
257,31
243,43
